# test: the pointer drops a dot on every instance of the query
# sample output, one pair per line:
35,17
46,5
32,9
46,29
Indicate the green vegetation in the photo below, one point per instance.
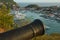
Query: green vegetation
6,20
8,3
54,36
6,0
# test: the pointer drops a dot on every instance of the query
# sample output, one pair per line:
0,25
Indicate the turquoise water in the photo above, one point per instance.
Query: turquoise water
54,26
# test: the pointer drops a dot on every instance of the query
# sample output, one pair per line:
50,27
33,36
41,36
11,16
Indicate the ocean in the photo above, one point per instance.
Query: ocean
54,25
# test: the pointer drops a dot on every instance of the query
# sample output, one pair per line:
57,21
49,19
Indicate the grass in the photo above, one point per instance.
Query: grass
54,36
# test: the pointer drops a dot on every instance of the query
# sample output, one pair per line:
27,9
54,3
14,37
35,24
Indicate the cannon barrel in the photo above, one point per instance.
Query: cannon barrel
24,33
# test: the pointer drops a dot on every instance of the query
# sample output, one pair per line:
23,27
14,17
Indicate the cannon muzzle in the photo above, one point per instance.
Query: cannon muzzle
24,33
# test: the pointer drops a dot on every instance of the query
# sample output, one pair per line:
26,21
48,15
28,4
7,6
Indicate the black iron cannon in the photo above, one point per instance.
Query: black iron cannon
24,33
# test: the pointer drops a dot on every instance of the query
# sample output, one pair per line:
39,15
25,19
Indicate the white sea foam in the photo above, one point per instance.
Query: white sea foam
20,15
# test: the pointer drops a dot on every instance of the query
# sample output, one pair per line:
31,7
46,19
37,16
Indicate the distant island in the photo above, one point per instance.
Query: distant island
8,3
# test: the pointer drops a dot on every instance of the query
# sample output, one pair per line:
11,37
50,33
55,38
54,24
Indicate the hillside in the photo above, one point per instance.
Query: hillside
8,3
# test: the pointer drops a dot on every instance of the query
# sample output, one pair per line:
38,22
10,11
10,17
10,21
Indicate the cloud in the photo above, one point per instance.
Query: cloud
37,1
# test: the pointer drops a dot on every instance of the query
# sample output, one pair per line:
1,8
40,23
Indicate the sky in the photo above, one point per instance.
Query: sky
40,1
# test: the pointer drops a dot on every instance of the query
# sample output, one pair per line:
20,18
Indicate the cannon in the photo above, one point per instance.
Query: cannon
26,32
